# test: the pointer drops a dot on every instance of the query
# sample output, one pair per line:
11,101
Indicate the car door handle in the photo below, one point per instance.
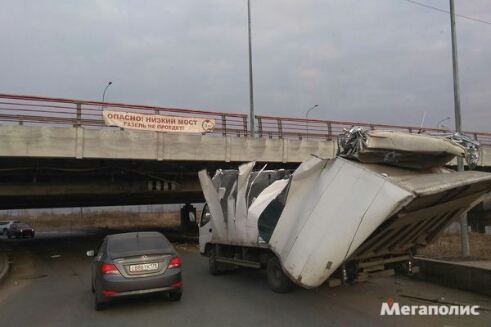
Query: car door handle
209,230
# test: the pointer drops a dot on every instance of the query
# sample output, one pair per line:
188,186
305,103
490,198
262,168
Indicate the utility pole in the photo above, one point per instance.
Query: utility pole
458,123
251,92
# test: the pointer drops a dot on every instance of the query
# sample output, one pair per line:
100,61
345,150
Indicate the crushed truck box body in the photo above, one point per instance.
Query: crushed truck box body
328,212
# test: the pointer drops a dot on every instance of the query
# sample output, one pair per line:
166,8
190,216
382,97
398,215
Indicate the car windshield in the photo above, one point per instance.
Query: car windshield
22,225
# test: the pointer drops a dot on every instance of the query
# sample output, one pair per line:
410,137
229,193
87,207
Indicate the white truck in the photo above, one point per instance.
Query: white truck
364,212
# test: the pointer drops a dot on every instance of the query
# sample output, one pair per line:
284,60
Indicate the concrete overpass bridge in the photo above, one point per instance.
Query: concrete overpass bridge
60,153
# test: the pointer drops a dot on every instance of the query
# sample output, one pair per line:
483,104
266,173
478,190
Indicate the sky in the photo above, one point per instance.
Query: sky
373,61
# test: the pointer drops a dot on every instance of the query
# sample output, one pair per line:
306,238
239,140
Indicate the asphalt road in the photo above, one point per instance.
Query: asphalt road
49,285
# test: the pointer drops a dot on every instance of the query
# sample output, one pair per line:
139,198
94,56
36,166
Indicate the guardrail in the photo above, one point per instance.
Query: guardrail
313,129
35,110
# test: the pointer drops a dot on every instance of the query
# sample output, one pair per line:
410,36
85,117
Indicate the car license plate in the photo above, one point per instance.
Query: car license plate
144,267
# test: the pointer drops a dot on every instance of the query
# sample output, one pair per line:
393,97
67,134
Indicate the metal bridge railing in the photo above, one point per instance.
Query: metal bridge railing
33,110
44,111
313,129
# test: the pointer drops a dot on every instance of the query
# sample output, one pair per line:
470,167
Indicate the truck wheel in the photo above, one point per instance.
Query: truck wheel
212,262
277,279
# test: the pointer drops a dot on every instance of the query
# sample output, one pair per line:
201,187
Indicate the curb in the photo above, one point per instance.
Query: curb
4,263
451,274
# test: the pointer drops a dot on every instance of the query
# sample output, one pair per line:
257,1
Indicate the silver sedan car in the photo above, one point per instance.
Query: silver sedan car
5,225
133,264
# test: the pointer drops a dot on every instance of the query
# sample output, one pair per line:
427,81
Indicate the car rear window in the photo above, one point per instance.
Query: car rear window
136,245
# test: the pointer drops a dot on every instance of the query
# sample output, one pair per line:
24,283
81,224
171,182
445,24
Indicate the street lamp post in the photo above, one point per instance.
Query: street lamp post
104,93
307,114
251,93
458,123
441,121
307,117
103,96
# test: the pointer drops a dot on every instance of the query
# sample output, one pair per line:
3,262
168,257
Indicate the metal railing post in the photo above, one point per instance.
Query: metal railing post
280,128
224,126
244,125
329,131
259,126
78,120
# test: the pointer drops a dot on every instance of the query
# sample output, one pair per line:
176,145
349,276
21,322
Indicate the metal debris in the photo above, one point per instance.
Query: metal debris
405,149
470,145
351,142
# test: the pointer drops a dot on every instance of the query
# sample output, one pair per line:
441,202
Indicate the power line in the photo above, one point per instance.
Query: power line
445,11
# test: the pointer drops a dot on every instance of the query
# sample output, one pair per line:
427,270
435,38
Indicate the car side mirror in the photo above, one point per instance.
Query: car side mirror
91,253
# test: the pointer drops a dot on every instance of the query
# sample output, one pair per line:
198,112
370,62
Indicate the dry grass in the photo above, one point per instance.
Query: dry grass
112,220
449,245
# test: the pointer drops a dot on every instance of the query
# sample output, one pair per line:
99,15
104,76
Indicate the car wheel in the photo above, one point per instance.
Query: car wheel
175,296
212,262
277,279
4,231
98,306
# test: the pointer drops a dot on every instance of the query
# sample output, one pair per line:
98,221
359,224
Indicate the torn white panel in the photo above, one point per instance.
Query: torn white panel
421,143
258,206
241,201
424,185
250,197
211,197
231,213
350,203
357,227
217,179
304,186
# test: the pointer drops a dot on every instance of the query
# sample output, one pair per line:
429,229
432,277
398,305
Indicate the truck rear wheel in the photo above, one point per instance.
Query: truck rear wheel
212,262
277,279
